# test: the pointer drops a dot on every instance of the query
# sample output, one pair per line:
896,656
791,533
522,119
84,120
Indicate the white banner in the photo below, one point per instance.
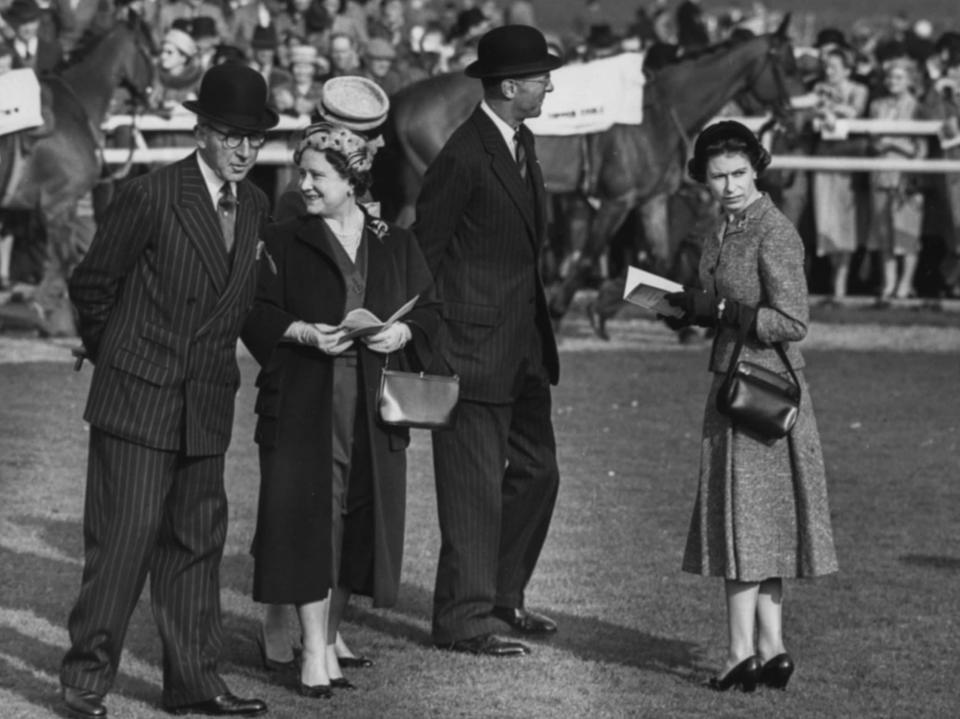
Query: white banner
19,101
592,96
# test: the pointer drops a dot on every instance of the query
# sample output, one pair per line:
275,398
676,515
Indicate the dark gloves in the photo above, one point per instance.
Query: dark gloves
705,309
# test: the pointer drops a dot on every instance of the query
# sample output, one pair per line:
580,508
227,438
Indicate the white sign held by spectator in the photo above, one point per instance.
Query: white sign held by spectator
19,101
592,96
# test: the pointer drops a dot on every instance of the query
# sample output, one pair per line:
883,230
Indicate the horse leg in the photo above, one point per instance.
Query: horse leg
68,237
605,224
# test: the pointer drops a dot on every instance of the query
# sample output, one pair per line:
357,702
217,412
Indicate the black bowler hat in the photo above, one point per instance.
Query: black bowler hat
512,51
22,12
234,95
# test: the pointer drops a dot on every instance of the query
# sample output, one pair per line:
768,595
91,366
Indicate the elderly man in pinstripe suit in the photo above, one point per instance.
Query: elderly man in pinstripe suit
481,222
161,297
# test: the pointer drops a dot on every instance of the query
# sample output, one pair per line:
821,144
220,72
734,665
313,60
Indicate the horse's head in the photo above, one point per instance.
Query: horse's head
135,69
777,77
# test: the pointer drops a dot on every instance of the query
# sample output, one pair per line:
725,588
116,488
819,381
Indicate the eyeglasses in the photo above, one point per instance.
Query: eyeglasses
233,140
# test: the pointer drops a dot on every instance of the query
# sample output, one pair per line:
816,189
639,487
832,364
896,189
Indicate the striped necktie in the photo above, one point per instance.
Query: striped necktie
227,214
521,153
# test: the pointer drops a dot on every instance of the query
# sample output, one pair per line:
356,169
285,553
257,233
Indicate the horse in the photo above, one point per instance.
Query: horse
64,165
626,167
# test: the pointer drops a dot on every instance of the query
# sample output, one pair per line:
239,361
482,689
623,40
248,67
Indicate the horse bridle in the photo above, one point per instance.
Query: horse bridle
772,60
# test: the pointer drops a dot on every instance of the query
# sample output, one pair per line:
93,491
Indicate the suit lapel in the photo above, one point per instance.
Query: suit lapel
199,222
505,168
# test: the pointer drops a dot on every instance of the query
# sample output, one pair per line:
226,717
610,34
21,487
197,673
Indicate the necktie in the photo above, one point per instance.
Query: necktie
227,214
521,153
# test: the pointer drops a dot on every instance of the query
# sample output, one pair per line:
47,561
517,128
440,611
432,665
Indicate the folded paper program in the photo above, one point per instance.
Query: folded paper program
647,290
362,322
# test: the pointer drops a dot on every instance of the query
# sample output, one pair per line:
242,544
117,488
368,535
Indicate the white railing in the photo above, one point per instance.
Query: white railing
275,153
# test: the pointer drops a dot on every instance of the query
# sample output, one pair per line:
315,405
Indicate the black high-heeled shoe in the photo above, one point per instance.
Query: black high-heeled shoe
273,665
777,672
745,675
360,662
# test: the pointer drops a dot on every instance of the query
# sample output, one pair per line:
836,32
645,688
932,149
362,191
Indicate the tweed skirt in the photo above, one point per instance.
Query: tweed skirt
761,509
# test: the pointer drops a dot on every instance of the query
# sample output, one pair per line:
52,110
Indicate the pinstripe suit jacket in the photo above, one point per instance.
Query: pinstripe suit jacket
161,306
481,229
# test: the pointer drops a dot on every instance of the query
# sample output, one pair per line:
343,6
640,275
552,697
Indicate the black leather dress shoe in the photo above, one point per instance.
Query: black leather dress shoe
525,622
223,705
487,645
83,704
354,662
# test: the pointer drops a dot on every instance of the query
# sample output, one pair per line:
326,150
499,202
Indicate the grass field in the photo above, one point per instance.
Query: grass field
637,638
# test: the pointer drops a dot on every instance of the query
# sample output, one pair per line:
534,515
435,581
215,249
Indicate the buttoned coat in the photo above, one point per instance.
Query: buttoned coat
160,306
758,261
299,280
481,236
762,509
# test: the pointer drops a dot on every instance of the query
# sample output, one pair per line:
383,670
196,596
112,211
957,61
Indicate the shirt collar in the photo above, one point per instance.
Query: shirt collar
508,133
212,181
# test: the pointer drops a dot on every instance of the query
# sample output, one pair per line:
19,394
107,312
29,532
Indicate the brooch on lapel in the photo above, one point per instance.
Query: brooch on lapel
378,227
262,252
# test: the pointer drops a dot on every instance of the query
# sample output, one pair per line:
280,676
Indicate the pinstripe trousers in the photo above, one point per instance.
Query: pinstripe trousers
497,481
162,514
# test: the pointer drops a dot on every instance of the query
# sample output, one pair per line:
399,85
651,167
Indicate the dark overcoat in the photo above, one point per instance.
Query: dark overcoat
299,280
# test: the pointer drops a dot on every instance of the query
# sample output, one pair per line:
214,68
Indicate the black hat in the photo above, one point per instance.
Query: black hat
831,36
512,51
203,26
264,38
719,133
235,95
21,12
602,37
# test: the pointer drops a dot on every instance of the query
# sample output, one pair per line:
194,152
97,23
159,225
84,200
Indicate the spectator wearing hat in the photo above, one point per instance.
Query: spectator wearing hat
601,42
34,35
378,65
246,16
190,10
307,87
308,20
161,296
481,220
178,72
263,46
203,30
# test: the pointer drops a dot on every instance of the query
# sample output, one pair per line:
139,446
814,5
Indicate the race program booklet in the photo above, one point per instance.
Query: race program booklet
646,289
362,322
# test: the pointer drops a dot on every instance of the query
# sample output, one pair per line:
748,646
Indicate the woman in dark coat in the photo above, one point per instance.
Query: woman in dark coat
761,512
333,477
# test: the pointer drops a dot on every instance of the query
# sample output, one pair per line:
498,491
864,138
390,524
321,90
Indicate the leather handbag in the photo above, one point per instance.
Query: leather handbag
758,399
417,399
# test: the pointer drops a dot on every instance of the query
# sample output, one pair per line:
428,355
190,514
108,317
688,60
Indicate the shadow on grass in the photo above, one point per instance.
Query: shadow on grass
587,638
931,561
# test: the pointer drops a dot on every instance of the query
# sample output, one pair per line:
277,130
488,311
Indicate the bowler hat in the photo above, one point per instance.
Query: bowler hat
512,51
234,95
357,103
21,12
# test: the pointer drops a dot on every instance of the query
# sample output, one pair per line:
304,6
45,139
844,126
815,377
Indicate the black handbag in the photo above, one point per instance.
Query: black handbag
417,399
758,399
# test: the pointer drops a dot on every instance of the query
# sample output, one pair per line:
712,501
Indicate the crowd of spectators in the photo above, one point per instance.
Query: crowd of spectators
298,44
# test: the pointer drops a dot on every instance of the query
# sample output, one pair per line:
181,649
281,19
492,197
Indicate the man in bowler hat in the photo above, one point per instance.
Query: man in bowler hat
481,220
161,297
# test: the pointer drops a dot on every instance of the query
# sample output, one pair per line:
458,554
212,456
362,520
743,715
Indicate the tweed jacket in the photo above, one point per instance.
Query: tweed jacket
160,307
757,258
481,227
